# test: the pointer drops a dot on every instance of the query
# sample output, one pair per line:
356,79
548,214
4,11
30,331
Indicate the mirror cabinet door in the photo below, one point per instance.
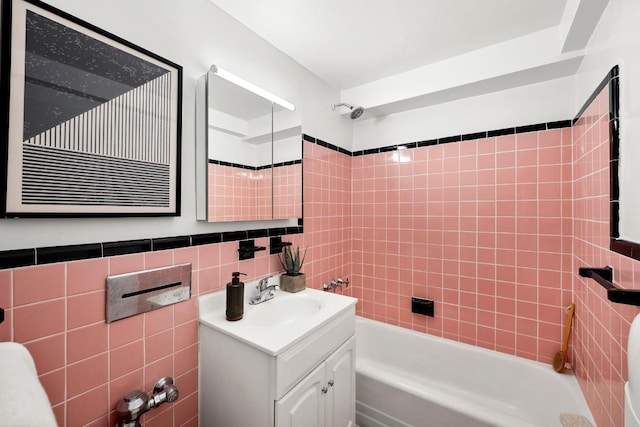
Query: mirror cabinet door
287,164
236,151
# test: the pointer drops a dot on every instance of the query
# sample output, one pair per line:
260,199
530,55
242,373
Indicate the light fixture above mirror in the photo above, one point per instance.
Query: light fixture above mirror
249,151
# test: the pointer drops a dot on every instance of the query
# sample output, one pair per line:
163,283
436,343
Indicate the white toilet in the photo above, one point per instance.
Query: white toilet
632,387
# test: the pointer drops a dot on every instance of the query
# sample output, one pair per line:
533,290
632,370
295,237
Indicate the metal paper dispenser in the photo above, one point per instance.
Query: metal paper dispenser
138,292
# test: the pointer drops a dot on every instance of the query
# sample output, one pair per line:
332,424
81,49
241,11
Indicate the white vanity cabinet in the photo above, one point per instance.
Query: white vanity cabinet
325,397
305,380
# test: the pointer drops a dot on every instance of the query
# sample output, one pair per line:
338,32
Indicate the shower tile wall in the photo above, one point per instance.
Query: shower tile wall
483,227
602,327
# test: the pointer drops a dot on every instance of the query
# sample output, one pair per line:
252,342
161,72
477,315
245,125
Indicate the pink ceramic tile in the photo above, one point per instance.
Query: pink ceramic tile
186,335
85,309
86,342
126,331
48,353
186,360
119,387
158,346
6,277
88,407
158,369
6,327
158,320
126,359
126,264
53,383
87,275
158,259
186,408
39,320
38,283
86,375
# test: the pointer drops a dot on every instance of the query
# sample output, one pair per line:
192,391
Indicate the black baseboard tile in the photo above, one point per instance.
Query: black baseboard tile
17,258
126,247
166,243
52,254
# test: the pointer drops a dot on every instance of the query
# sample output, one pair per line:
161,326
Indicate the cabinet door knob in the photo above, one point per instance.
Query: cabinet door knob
325,390
330,383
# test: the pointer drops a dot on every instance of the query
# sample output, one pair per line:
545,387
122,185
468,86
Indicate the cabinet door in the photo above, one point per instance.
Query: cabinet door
341,379
304,405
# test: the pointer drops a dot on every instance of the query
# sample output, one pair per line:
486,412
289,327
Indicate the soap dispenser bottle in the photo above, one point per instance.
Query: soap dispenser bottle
235,297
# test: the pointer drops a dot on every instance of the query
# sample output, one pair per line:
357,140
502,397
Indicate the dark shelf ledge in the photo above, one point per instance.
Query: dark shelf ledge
604,277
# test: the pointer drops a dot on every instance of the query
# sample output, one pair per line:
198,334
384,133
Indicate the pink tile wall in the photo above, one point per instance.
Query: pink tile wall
287,191
483,227
602,327
86,365
327,214
236,194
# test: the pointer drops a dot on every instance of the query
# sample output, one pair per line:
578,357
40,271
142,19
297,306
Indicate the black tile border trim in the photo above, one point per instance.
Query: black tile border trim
255,168
448,139
46,255
612,81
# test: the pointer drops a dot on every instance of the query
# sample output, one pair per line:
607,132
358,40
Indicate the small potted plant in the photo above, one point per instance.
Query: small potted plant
292,280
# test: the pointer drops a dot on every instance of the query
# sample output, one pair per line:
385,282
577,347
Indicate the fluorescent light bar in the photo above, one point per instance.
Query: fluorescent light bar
251,87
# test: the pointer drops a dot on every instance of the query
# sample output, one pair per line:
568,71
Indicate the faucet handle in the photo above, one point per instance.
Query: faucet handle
343,281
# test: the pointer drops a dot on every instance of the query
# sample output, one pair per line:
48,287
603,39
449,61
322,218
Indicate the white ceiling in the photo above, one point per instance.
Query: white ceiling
352,42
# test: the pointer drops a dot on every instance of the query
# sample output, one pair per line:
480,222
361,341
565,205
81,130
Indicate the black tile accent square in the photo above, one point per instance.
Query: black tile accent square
614,98
51,254
232,236
256,234
205,239
472,136
449,139
501,132
427,143
164,243
126,247
17,258
560,124
279,231
388,148
308,138
422,306
531,128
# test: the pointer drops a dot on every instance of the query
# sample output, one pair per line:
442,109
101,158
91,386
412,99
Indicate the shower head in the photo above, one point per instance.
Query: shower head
355,111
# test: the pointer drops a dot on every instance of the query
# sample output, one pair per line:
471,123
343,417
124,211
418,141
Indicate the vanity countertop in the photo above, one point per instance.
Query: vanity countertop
274,325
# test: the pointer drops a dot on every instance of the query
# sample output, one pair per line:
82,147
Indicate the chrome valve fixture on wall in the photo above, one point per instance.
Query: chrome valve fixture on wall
131,407
339,282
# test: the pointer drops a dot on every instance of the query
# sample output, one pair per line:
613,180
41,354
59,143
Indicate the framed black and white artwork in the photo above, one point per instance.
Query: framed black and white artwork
90,123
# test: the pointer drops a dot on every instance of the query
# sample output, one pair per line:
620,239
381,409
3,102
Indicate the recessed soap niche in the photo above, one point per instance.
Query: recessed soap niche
142,291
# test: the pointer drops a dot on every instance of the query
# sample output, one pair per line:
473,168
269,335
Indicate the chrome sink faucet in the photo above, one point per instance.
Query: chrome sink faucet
265,291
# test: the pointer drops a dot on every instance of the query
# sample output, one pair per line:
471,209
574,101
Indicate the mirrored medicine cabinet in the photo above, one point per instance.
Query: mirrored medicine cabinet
248,152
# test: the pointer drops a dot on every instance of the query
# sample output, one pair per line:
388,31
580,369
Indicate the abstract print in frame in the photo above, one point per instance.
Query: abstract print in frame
92,121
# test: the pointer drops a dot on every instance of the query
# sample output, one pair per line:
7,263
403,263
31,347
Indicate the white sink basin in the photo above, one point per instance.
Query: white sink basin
274,325
285,311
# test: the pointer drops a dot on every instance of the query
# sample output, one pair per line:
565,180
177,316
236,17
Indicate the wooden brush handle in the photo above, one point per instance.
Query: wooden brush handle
567,329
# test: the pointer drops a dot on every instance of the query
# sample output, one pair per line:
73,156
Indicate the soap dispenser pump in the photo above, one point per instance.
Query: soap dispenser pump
235,297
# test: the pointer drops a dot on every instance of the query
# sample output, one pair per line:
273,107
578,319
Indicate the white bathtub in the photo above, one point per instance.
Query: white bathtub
406,378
